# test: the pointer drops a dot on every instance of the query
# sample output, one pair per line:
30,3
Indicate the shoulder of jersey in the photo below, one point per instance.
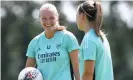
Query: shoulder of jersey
38,36
66,32
89,37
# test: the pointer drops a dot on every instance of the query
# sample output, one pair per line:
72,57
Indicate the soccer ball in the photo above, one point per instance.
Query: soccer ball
30,73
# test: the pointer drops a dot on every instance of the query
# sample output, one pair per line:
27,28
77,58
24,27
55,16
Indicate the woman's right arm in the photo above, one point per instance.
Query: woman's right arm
31,62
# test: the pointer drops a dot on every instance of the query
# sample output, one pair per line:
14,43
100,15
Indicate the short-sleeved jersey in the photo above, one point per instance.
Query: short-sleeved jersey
52,55
93,48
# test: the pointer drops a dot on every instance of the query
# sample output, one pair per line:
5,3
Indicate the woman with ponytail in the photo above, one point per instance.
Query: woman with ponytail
95,56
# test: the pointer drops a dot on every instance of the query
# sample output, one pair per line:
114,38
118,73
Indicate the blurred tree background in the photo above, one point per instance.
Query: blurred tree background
20,23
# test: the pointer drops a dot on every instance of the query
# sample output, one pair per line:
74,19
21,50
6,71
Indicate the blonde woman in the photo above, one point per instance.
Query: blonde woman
53,49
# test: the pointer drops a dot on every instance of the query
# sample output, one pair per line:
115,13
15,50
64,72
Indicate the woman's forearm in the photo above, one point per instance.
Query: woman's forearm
75,64
87,76
77,75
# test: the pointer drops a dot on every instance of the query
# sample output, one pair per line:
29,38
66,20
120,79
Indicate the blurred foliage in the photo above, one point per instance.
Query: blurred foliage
18,27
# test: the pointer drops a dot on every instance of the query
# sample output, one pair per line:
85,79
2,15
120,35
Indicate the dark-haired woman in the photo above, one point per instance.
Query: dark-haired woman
95,56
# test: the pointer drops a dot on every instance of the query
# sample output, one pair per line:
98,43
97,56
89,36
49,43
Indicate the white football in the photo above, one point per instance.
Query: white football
30,73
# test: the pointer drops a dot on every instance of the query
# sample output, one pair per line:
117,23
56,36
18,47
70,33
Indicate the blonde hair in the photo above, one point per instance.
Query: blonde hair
49,6
53,8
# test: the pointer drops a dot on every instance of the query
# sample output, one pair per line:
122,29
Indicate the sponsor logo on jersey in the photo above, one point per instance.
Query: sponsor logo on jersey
48,57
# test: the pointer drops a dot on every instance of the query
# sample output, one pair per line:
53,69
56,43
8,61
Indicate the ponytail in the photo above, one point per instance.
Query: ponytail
60,28
99,20
93,11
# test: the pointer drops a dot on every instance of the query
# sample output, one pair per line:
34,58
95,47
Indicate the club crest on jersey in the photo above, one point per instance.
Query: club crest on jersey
58,45
48,46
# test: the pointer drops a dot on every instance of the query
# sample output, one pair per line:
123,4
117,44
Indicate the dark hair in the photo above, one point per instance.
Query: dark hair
93,13
89,10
